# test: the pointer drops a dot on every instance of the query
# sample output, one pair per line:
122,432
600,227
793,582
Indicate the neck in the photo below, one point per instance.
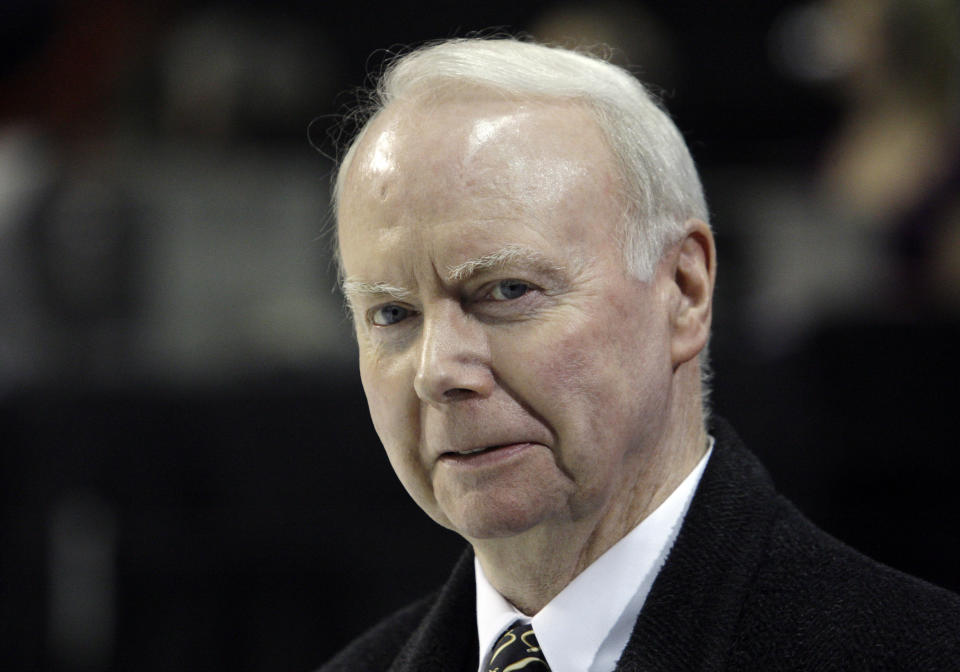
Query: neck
531,568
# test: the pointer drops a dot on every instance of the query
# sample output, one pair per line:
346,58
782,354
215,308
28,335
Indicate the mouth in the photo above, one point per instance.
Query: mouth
474,451
485,454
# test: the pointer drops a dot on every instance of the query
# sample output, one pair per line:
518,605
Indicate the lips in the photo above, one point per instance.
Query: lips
474,451
485,454
480,449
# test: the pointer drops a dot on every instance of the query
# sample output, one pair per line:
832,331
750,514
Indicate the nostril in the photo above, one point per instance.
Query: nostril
458,393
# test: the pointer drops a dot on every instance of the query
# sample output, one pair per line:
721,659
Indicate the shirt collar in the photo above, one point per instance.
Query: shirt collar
587,625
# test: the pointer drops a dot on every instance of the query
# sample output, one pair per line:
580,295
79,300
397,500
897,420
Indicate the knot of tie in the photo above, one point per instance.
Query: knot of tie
517,649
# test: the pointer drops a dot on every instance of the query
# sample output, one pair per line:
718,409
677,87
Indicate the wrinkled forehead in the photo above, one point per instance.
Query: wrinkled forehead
513,152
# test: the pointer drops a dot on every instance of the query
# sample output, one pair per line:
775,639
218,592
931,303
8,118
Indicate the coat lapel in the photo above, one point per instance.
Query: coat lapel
689,619
446,640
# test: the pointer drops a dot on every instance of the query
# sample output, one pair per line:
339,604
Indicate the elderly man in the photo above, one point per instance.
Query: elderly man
524,246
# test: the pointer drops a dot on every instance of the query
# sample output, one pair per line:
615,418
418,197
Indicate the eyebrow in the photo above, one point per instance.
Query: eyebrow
355,288
506,256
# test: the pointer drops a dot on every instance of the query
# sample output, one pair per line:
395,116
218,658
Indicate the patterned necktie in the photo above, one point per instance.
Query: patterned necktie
517,649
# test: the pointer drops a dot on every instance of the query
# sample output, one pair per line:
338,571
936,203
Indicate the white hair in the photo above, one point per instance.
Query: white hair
662,187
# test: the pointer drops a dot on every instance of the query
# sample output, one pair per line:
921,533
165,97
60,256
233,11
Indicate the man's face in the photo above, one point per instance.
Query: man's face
515,373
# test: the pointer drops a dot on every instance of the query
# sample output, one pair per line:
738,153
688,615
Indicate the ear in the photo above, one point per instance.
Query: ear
694,273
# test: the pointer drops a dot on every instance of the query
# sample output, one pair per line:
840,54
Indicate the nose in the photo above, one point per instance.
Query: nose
454,357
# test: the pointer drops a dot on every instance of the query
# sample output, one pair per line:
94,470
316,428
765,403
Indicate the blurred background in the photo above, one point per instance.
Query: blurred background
188,476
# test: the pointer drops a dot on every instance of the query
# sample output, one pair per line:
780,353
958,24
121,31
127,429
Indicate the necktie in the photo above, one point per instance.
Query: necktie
517,649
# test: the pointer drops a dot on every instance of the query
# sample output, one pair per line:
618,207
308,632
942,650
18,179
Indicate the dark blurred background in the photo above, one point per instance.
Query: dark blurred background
188,476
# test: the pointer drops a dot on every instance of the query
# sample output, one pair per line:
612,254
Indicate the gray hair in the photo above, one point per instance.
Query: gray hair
662,186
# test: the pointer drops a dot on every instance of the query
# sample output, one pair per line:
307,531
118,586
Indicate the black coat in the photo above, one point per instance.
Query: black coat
750,584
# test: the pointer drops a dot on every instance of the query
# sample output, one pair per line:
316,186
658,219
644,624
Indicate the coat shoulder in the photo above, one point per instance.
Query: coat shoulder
819,599
378,647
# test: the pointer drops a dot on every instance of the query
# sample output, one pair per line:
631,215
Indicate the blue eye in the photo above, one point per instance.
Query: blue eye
507,290
384,316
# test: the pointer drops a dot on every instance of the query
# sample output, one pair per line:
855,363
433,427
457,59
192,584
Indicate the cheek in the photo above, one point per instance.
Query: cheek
597,364
385,386
395,415
602,388
566,376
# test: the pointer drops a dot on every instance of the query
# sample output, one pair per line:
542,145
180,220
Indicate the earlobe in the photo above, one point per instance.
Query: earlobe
694,274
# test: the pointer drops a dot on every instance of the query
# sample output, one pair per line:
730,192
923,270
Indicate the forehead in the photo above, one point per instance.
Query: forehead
473,160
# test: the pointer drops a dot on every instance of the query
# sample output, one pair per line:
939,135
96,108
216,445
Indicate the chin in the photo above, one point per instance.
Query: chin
496,518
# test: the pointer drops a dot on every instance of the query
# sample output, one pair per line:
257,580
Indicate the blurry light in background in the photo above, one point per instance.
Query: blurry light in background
809,43
639,39
82,580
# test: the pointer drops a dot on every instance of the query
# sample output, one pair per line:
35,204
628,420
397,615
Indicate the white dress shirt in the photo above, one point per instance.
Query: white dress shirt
587,625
